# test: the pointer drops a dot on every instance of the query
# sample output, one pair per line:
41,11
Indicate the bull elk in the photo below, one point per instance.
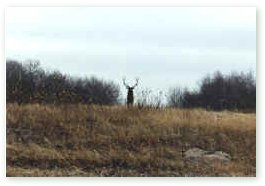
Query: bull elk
130,97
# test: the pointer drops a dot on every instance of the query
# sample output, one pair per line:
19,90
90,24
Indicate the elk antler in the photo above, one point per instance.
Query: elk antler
124,83
137,81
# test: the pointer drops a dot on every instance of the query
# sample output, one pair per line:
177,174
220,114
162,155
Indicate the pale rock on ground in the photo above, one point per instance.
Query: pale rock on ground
197,155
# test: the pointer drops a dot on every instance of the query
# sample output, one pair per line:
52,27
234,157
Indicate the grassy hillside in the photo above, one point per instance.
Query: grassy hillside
81,140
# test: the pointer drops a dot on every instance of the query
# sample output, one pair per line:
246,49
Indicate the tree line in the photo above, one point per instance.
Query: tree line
235,91
29,83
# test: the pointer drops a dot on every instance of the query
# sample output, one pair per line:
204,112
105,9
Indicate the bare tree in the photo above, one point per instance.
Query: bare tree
176,97
130,97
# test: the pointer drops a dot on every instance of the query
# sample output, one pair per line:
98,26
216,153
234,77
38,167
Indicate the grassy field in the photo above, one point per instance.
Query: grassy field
81,140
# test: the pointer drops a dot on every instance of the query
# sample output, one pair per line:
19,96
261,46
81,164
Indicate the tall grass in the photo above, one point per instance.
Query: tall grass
82,140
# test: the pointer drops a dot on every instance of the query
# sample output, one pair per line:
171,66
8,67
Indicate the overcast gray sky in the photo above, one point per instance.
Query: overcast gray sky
164,47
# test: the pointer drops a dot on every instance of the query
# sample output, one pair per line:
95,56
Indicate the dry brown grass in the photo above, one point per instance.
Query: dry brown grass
81,140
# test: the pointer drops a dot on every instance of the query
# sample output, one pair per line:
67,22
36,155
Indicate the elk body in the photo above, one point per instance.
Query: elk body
130,96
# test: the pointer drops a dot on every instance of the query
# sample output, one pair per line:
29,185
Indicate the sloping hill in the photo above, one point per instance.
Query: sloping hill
81,140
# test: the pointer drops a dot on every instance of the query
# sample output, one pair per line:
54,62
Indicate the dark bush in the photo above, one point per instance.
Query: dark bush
219,92
28,83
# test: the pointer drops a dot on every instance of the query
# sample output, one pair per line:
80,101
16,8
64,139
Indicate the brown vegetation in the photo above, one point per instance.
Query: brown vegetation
82,140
